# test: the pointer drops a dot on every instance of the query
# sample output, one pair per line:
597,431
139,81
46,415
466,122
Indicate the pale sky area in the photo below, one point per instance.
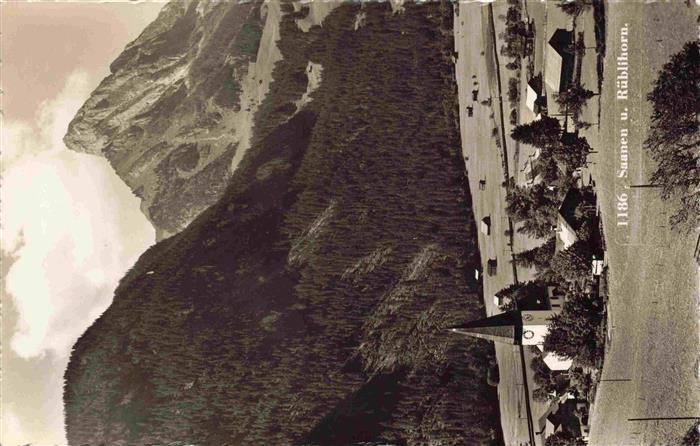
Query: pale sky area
70,228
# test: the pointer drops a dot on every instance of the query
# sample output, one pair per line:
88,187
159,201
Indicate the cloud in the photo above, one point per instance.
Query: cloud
73,225
11,425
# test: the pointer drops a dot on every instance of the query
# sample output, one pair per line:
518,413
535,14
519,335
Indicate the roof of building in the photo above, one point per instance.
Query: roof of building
556,362
534,93
552,408
566,234
560,40
559,60
567,210
567,220
535,83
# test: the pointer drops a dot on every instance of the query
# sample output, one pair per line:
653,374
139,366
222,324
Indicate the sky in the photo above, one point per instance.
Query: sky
69,227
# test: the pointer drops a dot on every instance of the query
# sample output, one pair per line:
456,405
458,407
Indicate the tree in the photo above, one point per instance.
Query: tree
550,382
573,263
692,437
540,133
673,138
523,202
582,125
522,294
572,152
581,381
538,257
574,8
563,438
542,396
574,98
539,225
513,90
546,166
542,374
535,207
573,332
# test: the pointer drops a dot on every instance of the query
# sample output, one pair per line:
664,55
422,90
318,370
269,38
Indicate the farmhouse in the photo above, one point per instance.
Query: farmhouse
577,207
559,61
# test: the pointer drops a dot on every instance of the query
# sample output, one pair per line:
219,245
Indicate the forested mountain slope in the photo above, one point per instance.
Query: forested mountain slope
309,304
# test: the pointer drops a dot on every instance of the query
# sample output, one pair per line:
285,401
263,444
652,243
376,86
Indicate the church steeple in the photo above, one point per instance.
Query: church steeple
527,327
505,327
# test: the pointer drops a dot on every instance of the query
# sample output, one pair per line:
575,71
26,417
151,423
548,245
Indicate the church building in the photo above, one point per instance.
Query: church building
516,327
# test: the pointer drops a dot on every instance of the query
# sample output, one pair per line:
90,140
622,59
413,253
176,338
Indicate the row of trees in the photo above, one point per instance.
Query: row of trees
674,140
516,35
516,38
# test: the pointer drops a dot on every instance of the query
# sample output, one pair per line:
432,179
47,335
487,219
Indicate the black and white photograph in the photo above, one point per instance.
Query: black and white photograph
350,223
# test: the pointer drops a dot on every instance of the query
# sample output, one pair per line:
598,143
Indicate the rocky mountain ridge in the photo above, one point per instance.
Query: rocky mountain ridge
175,115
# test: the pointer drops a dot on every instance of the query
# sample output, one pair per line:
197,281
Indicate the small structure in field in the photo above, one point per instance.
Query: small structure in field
597,266
491,267
485,225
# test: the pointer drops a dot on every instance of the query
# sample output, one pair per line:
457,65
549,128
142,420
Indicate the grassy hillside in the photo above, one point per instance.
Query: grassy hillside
308,306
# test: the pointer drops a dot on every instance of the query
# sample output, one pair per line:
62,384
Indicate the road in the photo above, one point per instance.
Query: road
475,67
507,174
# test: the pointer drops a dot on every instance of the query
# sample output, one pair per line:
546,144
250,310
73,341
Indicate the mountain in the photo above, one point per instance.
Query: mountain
179,105
309,303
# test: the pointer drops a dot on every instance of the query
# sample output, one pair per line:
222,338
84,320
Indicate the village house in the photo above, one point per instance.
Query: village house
568,222
559,61
558,69
534,98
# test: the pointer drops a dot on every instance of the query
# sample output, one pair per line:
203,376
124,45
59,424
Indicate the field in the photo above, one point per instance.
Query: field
484,162
654,281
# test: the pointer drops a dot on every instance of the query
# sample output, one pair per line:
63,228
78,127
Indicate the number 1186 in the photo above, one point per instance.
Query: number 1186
622,206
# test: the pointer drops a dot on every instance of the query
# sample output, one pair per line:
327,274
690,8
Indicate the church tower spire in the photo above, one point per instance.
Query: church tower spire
516,327
505,327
